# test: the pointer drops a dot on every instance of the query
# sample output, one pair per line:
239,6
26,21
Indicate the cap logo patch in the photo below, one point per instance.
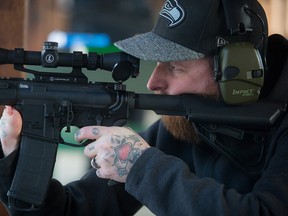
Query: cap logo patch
173,12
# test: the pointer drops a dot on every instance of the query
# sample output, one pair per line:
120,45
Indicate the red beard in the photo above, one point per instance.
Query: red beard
180,128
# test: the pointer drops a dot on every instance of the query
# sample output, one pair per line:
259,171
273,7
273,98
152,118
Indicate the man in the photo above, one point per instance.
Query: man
169,167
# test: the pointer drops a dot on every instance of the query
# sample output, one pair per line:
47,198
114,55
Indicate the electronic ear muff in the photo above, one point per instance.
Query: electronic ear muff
240,73
238,66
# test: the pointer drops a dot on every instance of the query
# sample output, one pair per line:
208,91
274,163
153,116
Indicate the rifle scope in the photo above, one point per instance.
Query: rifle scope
122,65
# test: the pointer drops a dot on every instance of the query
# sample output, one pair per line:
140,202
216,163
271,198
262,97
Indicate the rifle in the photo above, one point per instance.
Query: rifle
52,101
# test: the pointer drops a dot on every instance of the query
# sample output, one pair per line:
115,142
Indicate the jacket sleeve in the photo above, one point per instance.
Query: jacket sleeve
88,196
166,185
7,169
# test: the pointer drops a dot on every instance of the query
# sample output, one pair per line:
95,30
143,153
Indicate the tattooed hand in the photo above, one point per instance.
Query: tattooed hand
115,149
10,128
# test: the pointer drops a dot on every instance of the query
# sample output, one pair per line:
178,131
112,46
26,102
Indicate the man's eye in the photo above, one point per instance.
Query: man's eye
174,68
171,67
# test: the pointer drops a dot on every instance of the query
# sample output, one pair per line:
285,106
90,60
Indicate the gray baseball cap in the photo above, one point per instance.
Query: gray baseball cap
185,29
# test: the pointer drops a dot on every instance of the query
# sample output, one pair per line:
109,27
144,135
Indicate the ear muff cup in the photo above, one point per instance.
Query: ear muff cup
240,73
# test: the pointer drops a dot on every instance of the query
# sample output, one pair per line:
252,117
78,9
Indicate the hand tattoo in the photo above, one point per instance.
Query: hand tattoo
125,152
95,131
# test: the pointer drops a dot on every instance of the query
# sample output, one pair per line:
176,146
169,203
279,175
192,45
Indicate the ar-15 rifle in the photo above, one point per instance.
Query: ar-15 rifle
52,101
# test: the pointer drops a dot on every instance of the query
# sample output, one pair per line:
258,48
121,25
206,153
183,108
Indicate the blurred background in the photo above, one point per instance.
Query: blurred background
93,26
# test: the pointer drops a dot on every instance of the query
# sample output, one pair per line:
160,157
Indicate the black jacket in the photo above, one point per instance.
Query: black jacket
249,177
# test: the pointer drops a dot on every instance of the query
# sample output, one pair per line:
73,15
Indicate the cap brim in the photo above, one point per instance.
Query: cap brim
150,46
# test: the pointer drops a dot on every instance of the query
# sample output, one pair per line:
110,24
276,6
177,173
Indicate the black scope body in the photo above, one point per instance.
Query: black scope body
50,57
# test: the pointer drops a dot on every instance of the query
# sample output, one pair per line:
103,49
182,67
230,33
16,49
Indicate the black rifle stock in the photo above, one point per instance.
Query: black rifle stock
53,101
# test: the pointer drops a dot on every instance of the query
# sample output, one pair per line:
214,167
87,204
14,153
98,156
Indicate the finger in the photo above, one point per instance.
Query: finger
7,110
106,159
91,150
104,154
88,132
103,173
12,112
109,174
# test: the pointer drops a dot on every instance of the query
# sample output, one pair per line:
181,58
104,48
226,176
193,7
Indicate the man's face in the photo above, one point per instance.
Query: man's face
174,78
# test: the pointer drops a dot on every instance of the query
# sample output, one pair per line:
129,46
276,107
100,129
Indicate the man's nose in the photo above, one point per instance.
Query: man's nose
157,80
